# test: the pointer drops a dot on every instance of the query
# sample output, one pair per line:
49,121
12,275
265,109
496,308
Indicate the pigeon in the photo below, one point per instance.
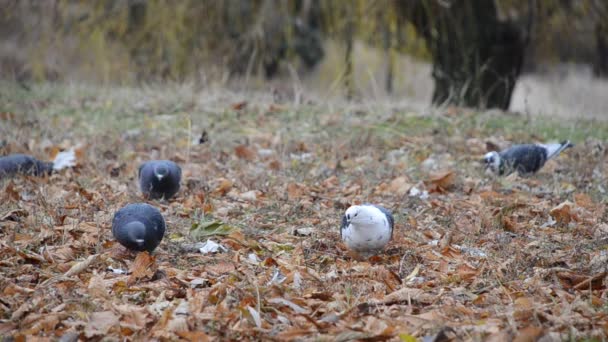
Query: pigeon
367,227
24,164
139,227
525,159
159,179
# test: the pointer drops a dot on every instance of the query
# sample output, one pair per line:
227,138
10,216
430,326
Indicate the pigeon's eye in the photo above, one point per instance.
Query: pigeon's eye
356,214
348,216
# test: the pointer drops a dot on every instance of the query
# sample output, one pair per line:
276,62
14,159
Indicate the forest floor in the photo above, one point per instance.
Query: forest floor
473,257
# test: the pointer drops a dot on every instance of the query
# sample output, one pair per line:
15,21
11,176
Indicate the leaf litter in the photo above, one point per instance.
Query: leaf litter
472,257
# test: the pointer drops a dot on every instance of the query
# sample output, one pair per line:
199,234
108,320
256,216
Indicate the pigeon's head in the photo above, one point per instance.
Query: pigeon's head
161,171
492,161
362,214
136,231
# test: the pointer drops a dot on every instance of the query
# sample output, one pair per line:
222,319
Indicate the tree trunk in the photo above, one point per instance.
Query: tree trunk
476,58
601,37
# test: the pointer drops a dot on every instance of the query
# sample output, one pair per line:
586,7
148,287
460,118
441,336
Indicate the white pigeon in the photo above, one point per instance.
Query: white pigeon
525,159
367,227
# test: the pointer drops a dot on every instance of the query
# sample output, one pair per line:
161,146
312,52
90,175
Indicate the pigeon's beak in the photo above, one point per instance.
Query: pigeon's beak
160,177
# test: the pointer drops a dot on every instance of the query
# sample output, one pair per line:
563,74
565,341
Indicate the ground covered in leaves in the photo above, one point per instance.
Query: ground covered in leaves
473,257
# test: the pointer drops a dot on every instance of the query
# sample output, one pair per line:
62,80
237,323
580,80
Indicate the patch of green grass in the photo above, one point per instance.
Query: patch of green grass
541,128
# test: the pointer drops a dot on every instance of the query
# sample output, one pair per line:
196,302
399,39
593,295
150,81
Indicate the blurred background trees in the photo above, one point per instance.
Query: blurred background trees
477,49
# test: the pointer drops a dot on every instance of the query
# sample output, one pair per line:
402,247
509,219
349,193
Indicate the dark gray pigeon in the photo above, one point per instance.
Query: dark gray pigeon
139,227
525,159
367,227
23,164
159,179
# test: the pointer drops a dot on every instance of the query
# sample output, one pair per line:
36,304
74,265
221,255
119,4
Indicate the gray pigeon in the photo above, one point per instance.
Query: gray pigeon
23,164
525,159
367,227
159,179
139,227
17,163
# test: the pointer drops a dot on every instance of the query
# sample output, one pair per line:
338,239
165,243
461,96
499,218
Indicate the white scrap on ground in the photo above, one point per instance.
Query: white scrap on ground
64,160
212,247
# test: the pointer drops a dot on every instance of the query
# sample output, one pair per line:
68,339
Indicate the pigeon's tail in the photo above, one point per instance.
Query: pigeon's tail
555,149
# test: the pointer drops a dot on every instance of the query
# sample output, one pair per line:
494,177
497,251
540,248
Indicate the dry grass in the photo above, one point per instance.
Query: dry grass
478,259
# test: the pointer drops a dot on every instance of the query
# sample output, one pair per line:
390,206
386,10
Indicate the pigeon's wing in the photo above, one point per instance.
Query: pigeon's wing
389,216
344,224
178,171
10,165
43,168
141,167
524,158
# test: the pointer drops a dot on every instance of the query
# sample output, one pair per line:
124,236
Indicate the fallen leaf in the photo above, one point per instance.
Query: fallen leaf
81,266
100,323
581,282
563,213
223,187
296,190
144,266
257,319
529,334
440,181
193,336
466,272
239,105
245,152
400,186
203,229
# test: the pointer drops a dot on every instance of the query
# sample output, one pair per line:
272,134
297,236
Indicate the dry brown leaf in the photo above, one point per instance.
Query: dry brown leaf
585,201
81,266
296,190
144,266
193,336
563,213
245,152
529,334
133,317
440,181
7,116
223,187
274,165
14,215
400,186
405,295
222,267
274,108
250,196
239,105
581,282
100,323
97,287
295,333
466,272
11,192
